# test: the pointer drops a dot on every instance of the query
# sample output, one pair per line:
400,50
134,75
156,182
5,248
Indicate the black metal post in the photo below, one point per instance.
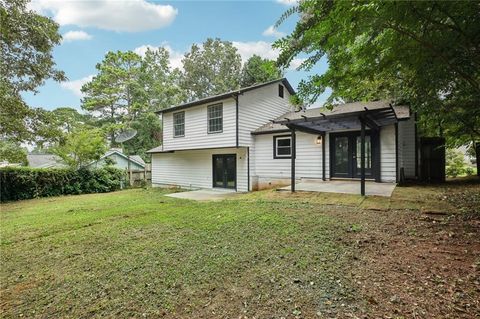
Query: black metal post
396,153
323,156
362,158
294,147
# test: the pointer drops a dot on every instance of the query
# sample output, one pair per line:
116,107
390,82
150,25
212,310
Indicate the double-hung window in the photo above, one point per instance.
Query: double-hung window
179,124
282,146
215,118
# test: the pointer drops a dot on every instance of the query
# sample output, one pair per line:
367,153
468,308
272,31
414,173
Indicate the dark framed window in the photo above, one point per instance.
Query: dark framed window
280,91
179,124
215,118
282,146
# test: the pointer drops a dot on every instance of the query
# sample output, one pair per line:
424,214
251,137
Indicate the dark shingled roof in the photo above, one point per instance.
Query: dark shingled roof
222,96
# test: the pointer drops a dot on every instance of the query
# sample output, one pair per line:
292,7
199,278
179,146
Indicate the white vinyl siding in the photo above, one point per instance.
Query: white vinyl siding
308,161
193,169
196,129
406,147
387,154
258,107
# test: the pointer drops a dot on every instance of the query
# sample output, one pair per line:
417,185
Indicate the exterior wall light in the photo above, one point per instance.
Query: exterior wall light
318,141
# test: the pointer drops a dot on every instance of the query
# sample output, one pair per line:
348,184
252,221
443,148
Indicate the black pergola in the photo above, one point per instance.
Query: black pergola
314,121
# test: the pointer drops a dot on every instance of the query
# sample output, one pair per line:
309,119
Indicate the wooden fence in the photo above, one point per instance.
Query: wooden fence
138,177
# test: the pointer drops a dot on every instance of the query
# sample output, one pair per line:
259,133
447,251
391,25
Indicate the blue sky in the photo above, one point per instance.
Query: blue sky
92,28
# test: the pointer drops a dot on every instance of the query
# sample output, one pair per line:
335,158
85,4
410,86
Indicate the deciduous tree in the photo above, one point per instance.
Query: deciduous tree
259,70
12,152
211,68
82,147
423,53
26,43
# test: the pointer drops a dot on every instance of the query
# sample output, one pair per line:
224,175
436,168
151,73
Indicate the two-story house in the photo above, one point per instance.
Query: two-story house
244,140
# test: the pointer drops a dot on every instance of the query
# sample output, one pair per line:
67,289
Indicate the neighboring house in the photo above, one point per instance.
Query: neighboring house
242,140
120,160
44,161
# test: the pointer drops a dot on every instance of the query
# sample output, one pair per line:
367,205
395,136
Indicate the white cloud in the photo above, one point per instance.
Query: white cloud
76,85
261,48
141,50
116,15
76,35
296,62
175,56
272,32
288,2
264,50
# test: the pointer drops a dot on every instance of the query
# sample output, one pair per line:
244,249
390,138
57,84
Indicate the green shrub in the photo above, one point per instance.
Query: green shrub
455,163
18,183
470,171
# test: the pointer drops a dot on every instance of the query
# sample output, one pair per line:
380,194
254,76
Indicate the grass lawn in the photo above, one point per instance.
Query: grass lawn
137,253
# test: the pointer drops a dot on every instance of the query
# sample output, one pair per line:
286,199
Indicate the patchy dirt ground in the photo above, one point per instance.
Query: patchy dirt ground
419,263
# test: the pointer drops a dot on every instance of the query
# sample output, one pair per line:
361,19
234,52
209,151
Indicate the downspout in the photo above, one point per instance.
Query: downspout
236,121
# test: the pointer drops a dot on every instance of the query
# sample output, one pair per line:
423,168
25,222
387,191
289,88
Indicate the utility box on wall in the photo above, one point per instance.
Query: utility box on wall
432,159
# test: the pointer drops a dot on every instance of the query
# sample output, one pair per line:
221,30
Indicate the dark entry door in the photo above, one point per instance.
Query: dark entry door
345,151
225,171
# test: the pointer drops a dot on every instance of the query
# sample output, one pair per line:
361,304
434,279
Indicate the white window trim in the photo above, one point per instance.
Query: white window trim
275,140
213,118
175,124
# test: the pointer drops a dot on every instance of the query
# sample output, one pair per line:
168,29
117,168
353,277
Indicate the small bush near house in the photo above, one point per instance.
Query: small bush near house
18,183
455,163
470,171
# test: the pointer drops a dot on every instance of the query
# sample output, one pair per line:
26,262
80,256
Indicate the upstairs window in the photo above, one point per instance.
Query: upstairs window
178,124
215,118
280,91
282,146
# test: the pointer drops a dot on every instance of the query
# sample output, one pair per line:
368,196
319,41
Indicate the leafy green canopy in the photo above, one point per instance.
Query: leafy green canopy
13,153
81,147
209,69
258,70
26,43
425,53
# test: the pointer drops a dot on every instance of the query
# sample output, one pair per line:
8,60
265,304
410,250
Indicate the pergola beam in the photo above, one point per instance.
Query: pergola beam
343,120
369,122
305,129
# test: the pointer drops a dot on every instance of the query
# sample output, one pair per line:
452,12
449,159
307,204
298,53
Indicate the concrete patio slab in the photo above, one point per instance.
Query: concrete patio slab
204,194
345,187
